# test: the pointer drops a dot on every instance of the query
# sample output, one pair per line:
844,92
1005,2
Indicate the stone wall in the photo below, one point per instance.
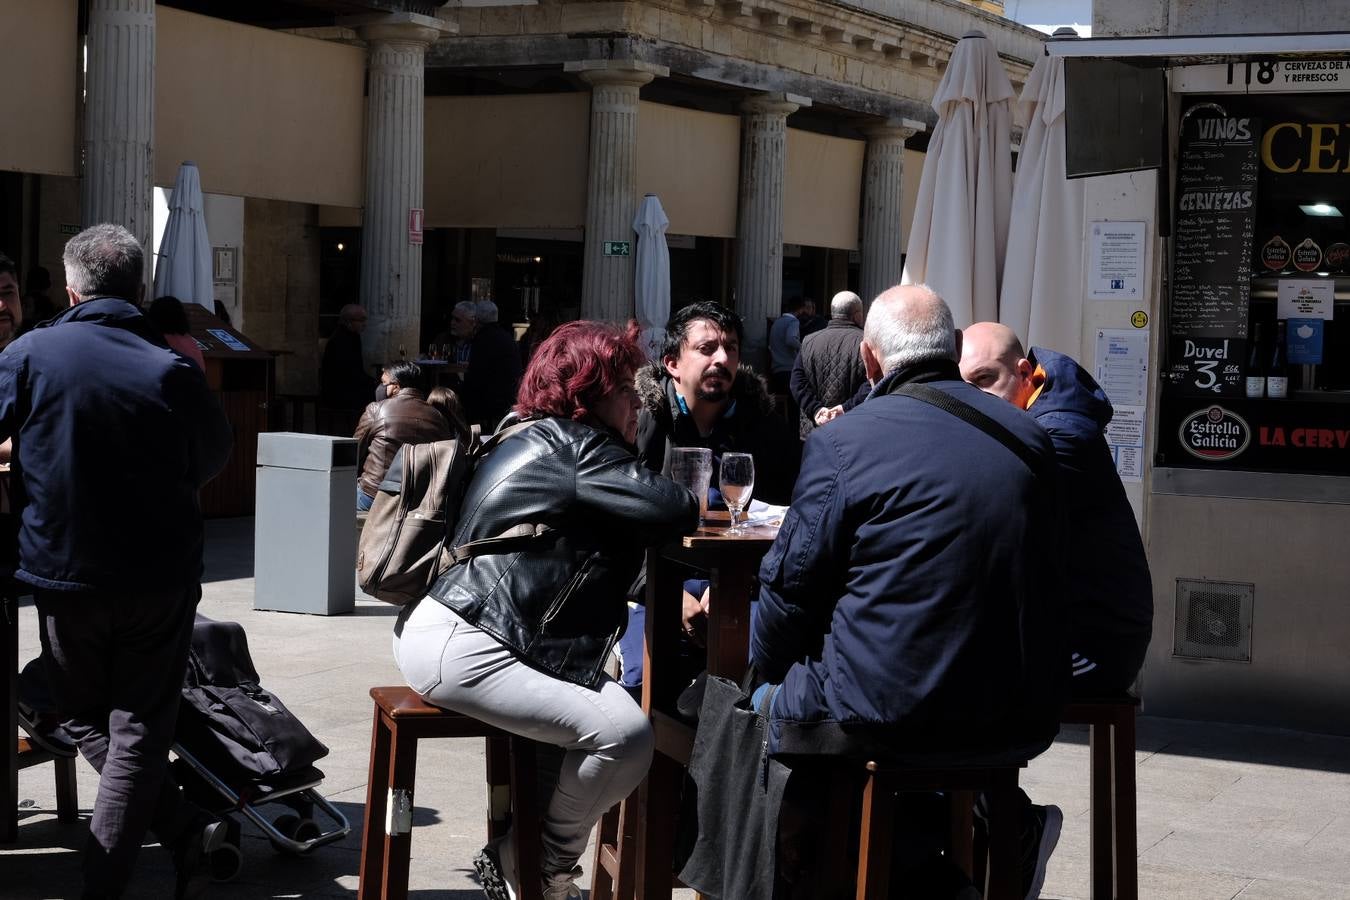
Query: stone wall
280,291
825,51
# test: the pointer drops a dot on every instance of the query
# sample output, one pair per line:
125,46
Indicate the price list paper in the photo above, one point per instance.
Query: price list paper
1212,254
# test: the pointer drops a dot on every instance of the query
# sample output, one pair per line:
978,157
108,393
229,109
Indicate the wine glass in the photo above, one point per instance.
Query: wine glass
737,483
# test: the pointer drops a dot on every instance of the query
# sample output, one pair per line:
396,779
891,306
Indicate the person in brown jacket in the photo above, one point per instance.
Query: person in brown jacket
400,415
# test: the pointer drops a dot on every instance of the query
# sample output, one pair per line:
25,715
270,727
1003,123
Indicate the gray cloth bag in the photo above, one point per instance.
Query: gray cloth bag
737,793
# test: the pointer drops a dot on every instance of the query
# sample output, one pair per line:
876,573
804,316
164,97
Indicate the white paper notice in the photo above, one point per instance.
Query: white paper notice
1305,298
1116,260
1122,371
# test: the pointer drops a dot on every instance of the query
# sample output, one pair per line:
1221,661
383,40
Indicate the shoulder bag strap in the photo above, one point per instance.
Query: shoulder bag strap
962,410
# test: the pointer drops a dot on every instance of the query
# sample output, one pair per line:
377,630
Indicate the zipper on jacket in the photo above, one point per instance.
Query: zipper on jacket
568,590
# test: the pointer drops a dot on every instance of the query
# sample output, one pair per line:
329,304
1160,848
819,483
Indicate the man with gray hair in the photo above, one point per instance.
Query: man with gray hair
114,434
345,387
829,369
907,608
490,382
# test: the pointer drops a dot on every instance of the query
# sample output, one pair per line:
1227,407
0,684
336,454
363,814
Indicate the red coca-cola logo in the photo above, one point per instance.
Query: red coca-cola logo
1275,254
1307,256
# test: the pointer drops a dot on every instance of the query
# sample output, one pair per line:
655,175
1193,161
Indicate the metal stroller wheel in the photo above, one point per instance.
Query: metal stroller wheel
296,828
226,862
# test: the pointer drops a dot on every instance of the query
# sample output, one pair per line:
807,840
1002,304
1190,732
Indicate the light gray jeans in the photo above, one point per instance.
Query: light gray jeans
607,737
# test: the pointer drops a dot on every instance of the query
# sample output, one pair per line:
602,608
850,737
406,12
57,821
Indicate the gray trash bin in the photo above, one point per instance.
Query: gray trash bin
304,553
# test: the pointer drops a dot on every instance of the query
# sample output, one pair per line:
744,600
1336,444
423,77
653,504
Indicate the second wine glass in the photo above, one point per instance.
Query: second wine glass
737,483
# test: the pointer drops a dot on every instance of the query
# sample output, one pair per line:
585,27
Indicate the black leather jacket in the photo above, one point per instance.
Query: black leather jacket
561,606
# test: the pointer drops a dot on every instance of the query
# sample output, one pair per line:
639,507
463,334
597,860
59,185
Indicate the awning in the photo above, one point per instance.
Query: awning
1197,48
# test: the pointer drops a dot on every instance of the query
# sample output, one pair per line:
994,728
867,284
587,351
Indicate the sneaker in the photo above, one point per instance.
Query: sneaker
496,868
192,859
1038,842
563,885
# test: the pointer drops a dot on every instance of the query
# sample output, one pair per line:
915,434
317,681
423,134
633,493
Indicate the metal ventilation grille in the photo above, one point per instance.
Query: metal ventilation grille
1214,620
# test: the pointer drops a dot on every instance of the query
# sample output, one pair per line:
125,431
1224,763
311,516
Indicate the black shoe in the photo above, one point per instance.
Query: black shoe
1039,838
192,859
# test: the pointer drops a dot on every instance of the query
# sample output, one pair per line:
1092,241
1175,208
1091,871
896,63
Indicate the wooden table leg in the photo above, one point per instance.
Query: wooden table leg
9,660
733,588
659,802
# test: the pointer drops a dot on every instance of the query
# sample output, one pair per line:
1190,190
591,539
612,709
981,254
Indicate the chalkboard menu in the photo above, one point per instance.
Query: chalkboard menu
1212,253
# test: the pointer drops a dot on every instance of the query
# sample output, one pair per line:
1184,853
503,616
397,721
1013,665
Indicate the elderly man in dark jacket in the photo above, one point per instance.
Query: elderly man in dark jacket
1110,610
907,609
1109,588
493,375
829,370
114,434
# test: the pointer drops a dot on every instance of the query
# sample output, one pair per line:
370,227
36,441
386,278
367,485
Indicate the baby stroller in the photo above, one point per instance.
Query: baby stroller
239,748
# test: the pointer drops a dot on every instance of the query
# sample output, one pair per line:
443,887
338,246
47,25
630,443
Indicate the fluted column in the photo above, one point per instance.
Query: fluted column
759,216
611,183
882,205
391,264
119,120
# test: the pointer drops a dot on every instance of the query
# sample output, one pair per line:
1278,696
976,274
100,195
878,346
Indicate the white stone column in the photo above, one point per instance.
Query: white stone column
611,183
119,117
882,205
391,264
759,217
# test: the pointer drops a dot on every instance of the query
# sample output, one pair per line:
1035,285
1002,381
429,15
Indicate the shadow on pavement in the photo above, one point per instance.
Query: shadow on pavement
1232,743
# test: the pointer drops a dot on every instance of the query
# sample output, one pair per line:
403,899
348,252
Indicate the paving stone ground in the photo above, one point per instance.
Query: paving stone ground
1224,811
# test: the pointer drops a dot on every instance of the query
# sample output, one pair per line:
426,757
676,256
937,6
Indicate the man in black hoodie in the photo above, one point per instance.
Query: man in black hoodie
113,435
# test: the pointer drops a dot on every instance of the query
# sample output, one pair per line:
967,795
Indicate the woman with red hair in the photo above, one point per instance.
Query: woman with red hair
517,634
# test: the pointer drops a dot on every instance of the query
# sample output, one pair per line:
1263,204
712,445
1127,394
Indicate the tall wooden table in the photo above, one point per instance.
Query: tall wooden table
732,560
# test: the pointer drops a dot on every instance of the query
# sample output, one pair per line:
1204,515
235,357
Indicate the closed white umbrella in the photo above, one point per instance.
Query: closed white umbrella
183,267
1043,272
960,226
651,286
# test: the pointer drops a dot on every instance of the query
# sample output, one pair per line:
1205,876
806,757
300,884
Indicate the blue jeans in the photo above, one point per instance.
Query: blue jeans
363,500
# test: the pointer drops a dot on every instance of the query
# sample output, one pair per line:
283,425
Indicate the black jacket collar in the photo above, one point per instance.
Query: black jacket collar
919,373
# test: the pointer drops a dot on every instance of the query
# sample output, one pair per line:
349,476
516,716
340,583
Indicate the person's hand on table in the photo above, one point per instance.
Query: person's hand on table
694,616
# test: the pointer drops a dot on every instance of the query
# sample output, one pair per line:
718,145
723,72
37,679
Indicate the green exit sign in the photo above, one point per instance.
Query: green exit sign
617,248
68,229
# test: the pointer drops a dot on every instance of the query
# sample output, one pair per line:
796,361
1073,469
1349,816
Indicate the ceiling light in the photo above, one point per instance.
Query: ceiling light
1319,209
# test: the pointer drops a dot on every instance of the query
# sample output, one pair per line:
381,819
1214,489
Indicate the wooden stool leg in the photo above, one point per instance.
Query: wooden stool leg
602,882
961,830
377,786
626,884
67,797
1101,868
398,847
1123,792
1004,872
659,804
9,722
874,840
498,753
525,818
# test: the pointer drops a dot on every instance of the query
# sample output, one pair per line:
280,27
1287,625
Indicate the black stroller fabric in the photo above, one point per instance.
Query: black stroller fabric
228,720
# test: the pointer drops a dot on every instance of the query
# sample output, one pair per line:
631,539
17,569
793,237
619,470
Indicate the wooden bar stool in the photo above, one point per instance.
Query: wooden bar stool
402,718
1115,862
1003,875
